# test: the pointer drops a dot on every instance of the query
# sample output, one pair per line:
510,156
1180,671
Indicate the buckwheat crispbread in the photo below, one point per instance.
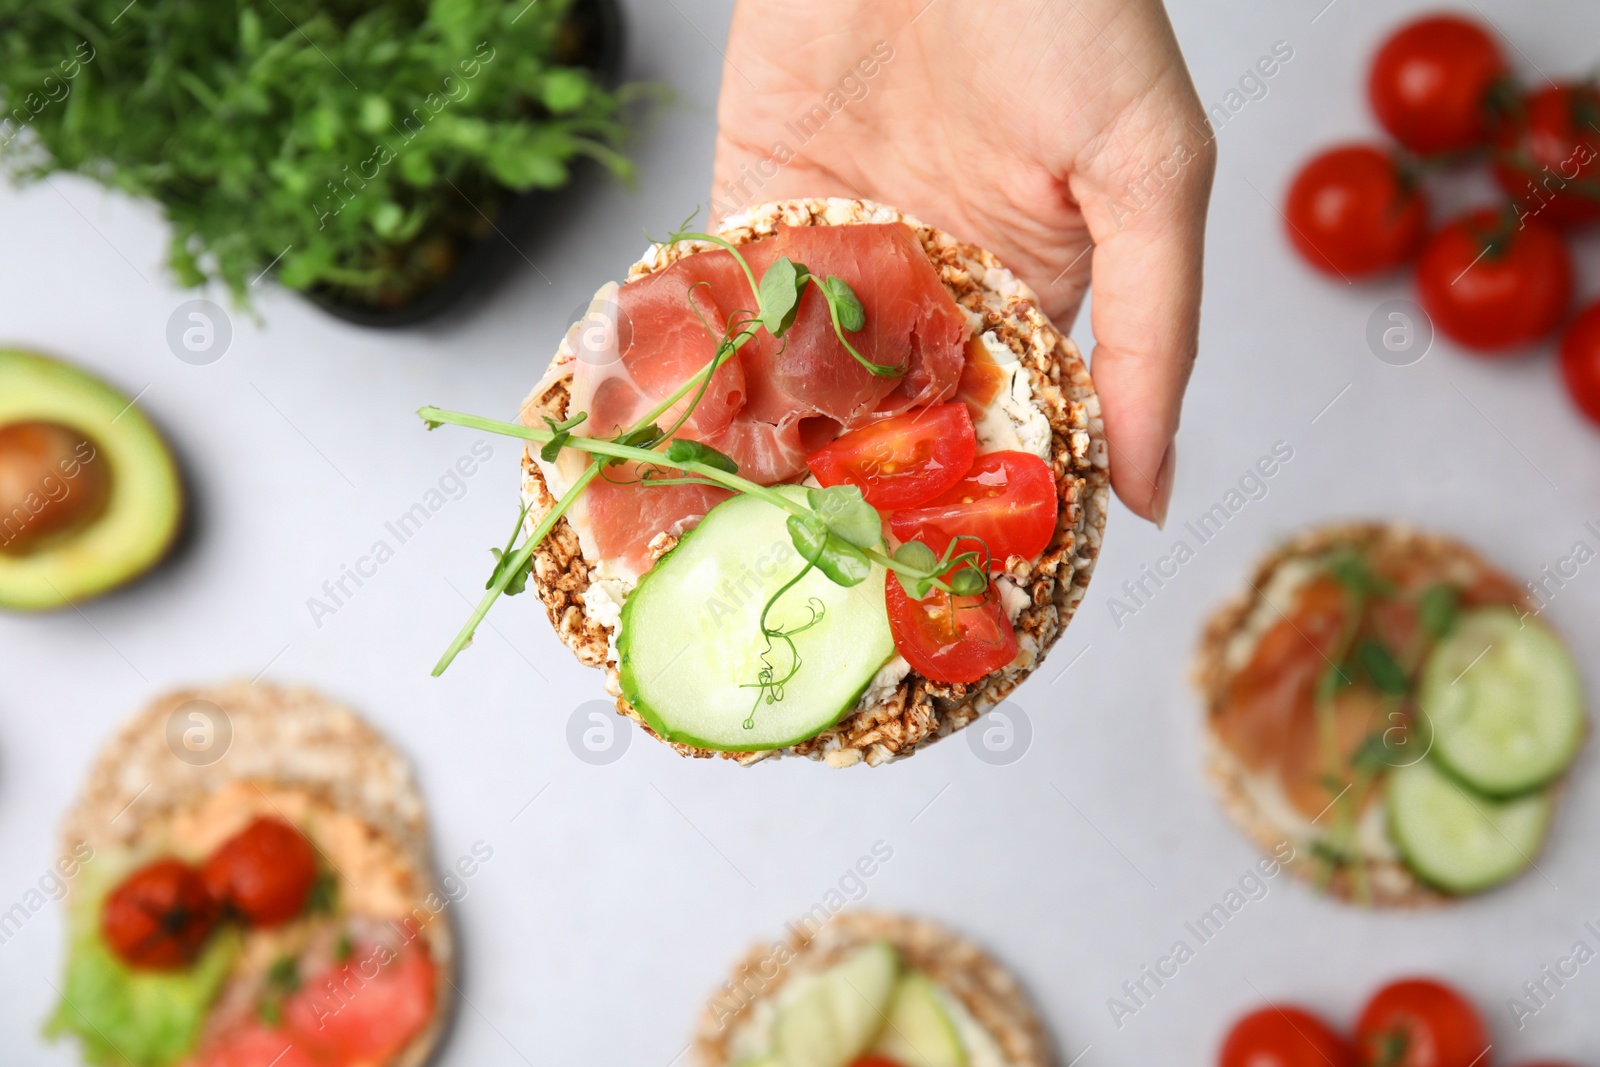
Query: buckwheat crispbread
918,711
274,746
1224,644
989,992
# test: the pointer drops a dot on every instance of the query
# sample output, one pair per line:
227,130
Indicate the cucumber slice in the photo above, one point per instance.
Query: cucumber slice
1505,702
1459,841
834,1019
920,1032
691,646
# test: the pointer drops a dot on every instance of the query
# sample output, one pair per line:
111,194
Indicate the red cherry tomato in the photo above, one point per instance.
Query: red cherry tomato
1431,83
1580,362
1548,156
903,460
1420,1023
366,1009
1492,286
1353,213
158,918
254,1045
1284,1037
1008,499
264,872
951,638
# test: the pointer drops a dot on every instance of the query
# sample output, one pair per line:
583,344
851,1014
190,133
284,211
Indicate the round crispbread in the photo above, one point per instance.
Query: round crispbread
918,711
990,993
1391,881
280,738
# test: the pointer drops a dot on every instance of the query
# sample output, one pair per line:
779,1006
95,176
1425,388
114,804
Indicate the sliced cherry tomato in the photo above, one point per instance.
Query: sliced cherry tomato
1284,1037
254,1045
1352,212
902,460
1494,284
1420,1023
951,638
158,918
366,1009
1432,83
264,872
1547,156
1008,499
1580,362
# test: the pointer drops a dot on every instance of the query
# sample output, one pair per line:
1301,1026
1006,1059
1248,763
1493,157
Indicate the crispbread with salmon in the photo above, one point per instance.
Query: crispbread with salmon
915,710
1247,770
159,789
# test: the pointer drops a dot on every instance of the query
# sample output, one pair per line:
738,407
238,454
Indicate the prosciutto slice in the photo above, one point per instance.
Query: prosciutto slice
777,401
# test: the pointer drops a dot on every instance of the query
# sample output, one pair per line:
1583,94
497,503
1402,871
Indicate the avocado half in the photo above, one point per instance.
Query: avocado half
90,496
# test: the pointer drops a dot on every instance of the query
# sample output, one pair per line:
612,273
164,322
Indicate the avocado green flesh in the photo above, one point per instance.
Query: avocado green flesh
126,1016
140,519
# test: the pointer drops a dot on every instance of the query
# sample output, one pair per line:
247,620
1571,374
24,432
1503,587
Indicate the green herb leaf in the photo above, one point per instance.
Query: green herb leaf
920,558
781,288
342,948
504,558
283,975
968,582
842,562
1386,673
563,433
1350,569
680,451
1437,609
852,316
847,515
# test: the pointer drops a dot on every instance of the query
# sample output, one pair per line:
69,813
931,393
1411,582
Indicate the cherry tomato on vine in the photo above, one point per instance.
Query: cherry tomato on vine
903,460
1418,1022
158,917
1547,155
1008,499
1284,1037
951,638
264,872
1352,212
1493,284
1433,81
1580,362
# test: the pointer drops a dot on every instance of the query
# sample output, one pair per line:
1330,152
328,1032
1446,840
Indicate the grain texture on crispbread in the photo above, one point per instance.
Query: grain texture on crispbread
990,993
1392,883
918,711
280,738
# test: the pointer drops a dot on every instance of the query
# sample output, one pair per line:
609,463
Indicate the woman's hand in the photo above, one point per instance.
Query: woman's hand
1062,135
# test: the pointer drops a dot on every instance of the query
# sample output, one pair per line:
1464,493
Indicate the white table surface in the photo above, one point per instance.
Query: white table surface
615,902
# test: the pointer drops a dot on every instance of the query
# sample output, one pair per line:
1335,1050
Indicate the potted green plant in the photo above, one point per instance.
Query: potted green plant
368,154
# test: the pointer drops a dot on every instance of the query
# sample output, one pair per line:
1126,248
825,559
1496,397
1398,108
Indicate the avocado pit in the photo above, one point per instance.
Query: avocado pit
54,482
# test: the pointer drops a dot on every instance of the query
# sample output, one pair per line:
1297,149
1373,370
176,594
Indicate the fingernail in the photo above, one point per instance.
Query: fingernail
1164,479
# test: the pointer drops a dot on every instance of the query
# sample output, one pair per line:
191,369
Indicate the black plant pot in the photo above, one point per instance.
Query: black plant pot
599,23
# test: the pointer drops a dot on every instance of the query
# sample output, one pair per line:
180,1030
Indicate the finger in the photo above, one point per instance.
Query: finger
1146,284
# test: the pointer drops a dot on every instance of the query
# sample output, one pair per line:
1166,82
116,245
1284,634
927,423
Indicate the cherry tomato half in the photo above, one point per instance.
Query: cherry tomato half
903,460
1548,155
1492,285
1351,212
158,917
1580,362
264,872
393,1000
1284,1037
951,638
1420,1023
1431,84
1008,499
